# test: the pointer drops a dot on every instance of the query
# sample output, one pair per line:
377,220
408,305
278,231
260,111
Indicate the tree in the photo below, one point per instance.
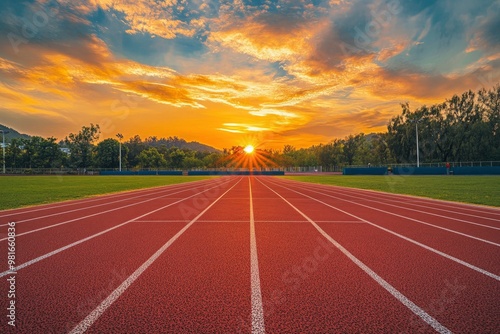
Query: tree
192,162
463,128
151,158
134,147
82,144
331,155
14,153
107,154
38,152
176,157
212,160
351,146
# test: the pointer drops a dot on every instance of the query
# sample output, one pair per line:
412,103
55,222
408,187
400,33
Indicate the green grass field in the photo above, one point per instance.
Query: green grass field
18,191
469,189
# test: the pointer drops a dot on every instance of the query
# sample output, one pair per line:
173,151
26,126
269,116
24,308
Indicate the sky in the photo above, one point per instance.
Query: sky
229,73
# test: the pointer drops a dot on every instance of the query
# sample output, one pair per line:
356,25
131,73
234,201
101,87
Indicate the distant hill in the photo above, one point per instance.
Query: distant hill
153,141
12,134
179,143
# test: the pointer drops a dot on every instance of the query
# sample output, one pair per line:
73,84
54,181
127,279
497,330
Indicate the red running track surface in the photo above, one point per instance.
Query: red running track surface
253,255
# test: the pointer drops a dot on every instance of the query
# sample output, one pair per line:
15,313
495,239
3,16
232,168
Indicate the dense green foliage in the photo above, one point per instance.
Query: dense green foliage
463,128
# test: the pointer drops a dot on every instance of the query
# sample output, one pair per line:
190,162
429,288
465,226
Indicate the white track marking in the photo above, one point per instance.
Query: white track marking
106,303
258,326
383,283
199,221
100,197
369,199
108,203
427,200
245,221
162,221
94,214
378,199
408,218
447,256
318,221
42,257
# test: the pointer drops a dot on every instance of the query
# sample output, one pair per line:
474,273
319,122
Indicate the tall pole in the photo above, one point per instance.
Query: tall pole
120,168
3,146
120,137
416,131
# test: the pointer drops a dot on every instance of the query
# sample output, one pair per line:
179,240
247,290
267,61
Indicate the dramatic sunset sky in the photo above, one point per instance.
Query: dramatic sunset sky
231,72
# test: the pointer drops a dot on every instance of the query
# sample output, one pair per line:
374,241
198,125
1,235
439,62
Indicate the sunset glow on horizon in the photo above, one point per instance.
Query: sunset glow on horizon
226,73
249,149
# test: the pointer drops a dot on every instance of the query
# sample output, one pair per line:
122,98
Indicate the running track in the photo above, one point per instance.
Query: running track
253,255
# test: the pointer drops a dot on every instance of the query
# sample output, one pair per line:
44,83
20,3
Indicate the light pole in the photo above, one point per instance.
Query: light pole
3,146
120,137
416,134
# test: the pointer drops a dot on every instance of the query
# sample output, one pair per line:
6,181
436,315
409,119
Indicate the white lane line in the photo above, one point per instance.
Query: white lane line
94,214
383,283
101,197
341,221
427,200
447,256
246,221
42,257
162,221
318,221
102,204
185,221
106,303
407,218
258,326
378,200
349,194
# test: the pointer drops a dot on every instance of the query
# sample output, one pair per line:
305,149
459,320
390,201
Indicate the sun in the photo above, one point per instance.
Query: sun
248,149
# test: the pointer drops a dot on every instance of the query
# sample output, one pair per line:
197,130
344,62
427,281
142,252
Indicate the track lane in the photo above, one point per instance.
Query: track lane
485,218
205,190
200,285
462,300
62,218
50,210
54,295
457,207
309,286
209,268
450,212
458,246
466,218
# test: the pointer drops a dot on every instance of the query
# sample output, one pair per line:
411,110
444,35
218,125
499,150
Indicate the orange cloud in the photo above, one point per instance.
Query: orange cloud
282,76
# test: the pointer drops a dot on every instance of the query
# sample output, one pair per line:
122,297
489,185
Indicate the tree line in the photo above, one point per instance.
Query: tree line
82,150
462,128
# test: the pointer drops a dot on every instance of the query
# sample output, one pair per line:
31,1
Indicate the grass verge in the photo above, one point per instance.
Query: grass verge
483,190
19,191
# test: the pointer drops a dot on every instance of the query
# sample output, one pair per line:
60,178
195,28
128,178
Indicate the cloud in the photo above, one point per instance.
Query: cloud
155,18
295,71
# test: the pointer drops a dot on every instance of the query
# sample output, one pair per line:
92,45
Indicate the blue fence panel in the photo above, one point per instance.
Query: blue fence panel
219,173
419,171
476,170
365,171
142,172
116,173
147,172
170,172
